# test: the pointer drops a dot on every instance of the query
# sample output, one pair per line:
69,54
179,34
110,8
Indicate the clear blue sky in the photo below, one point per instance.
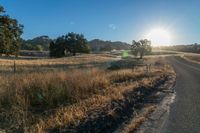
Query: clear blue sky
122,20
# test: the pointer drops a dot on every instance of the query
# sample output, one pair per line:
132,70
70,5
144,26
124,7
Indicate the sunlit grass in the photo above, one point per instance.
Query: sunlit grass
195,58
43,100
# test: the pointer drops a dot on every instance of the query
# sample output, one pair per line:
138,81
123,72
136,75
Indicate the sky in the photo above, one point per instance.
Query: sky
115,20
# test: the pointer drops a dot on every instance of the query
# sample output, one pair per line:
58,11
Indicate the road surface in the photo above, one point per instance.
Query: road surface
184,116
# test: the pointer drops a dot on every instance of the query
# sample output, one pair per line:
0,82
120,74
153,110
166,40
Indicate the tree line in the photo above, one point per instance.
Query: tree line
69,44
10,40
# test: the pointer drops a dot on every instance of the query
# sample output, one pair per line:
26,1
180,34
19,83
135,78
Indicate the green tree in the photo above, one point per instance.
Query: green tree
141,47
76,43
71,43
39,48
2,9
57,47
10,32
52,49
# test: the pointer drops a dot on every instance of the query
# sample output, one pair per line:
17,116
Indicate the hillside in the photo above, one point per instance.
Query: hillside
100,45
42,42
193,48
36,43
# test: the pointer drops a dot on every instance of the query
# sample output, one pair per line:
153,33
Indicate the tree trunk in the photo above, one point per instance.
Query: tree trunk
74,53
141,55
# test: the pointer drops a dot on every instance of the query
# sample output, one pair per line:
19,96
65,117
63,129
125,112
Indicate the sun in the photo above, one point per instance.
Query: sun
159,37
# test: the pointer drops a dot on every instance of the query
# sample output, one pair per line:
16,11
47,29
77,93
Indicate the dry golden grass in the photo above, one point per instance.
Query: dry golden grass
26,96
38,101
79,59
194,58
135,124
60,64
72,114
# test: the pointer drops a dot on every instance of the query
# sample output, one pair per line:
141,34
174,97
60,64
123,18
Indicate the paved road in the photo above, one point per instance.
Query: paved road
184,114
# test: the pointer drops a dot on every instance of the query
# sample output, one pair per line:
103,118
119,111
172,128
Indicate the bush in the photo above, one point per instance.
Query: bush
124,63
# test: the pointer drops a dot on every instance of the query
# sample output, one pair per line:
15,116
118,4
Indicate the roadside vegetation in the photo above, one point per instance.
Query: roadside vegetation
192,57
64,98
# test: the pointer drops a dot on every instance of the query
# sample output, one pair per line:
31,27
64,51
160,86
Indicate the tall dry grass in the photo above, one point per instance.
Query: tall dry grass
39,92
192,57
26,98
38,101
80,61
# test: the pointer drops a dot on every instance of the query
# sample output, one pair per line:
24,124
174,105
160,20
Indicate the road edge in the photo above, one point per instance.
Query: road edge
189,60
158,118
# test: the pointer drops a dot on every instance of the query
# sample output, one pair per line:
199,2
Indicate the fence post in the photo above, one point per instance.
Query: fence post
147,68
14,66
133,68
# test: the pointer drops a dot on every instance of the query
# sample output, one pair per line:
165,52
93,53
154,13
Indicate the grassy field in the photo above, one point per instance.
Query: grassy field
40,95
32,65
194,57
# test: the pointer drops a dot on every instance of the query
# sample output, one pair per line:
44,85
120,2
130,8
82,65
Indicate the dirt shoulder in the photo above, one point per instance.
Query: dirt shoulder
151,117
157,119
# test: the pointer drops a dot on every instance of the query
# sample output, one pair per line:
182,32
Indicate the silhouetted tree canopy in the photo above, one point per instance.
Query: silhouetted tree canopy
69,44
141,47
10,32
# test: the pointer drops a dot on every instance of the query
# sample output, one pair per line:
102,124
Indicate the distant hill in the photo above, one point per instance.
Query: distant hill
36,43
41,43
100,45
193,48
